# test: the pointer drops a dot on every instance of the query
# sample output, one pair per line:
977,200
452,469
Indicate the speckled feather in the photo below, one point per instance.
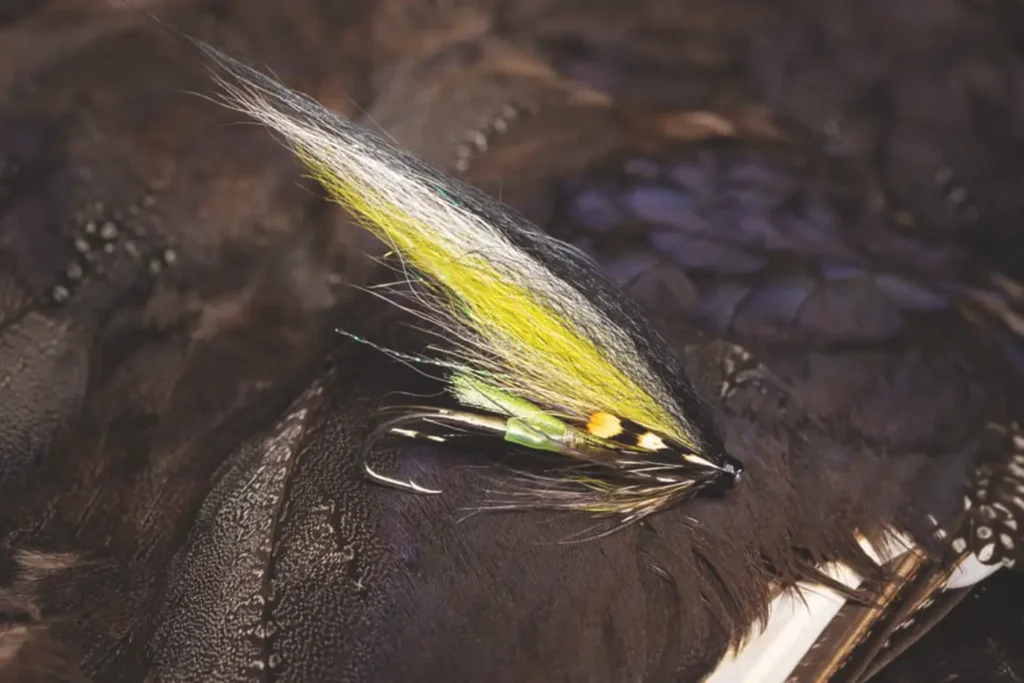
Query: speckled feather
187,397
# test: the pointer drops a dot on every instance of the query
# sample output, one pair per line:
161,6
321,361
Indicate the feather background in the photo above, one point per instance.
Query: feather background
197,450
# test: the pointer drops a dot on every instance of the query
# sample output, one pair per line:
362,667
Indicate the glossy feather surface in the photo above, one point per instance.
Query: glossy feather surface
203,520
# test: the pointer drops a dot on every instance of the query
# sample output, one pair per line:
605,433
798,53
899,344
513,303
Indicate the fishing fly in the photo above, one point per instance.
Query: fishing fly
539,348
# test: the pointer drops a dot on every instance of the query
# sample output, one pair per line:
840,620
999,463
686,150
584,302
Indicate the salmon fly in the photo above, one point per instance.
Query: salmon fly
539,348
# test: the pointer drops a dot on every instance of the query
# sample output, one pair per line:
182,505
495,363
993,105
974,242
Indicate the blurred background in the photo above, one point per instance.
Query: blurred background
834,184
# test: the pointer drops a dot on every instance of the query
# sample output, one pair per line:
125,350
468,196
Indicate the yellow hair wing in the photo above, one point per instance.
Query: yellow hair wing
545,359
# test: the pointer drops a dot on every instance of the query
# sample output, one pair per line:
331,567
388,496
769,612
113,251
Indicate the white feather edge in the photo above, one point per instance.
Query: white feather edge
794,624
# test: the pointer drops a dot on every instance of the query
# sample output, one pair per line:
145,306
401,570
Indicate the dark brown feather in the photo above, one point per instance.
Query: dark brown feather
197,453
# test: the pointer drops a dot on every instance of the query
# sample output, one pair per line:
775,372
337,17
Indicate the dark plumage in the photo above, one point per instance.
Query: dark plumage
190,424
